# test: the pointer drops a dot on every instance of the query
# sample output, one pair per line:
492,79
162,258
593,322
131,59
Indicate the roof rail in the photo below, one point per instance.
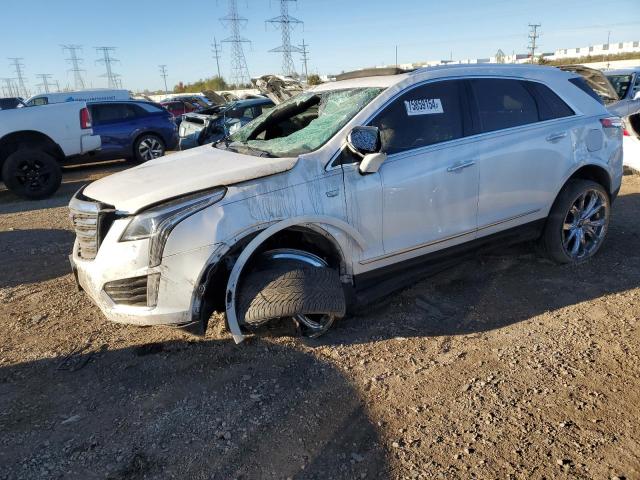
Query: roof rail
372,72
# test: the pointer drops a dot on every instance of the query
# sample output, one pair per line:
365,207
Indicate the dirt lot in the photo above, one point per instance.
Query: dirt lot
504,367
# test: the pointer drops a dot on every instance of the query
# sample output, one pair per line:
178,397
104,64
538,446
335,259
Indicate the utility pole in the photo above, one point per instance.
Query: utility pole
215,49
163,74
75,65
45,81
305,57
285,23
396,56
107,60
533,37
239,70
19,69
608,46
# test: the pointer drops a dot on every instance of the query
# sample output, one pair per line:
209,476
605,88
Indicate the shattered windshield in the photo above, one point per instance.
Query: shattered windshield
304,123
620,84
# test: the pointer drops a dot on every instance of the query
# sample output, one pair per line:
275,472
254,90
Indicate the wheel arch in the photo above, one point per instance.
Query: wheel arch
216,288
592,172
31,138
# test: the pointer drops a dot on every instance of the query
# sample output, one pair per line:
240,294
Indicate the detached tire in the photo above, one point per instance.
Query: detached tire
288,291
578,222
31,173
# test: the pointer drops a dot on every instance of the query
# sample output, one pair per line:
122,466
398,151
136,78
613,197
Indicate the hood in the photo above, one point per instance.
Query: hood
214,97
179,174
277,88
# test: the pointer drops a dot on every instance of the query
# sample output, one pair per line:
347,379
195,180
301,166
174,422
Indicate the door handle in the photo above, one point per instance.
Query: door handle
460,166
554,137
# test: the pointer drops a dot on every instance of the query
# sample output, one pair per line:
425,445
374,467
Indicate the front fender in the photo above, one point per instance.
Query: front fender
234,277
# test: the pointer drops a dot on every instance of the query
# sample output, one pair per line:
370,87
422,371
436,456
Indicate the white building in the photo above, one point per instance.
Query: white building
597,50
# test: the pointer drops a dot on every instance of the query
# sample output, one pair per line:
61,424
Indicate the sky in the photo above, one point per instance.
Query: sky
342,35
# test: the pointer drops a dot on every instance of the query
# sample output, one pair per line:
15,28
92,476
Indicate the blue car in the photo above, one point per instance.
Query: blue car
135,130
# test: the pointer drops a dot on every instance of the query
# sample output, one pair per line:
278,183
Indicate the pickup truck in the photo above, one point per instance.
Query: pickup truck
35,140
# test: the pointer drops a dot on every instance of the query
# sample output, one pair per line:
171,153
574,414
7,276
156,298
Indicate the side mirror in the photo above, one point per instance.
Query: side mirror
371,162
364,140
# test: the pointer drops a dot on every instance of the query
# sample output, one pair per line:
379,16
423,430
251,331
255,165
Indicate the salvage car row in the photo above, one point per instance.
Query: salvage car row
39,135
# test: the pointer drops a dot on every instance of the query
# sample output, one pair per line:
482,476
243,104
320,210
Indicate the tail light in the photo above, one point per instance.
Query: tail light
626,133
85,118
612,122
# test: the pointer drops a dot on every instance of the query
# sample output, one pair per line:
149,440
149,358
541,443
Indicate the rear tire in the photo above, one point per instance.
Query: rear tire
31,173
148,147
578,222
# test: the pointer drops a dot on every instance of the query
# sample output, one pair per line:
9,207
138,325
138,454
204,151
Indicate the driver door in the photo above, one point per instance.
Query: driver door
428,184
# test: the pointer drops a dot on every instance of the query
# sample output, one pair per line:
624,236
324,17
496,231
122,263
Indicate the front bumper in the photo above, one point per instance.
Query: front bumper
179,274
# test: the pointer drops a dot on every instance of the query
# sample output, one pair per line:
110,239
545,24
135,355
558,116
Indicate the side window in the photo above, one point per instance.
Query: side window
36,102
503,103
111,113
423,116
550,105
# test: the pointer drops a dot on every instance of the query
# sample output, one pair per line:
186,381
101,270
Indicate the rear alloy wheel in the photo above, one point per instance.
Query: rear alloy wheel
578,223
148,147
289,283
32,174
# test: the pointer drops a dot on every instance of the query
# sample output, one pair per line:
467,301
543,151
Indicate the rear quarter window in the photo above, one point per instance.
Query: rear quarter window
584,86
550,105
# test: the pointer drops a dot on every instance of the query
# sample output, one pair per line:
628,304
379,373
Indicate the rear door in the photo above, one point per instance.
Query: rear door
524,146
115,123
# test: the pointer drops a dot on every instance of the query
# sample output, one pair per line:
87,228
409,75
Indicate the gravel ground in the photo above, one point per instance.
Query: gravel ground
505,366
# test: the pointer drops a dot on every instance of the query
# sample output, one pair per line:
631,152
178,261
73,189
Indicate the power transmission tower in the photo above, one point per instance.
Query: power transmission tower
19,66
239,70
75,65
533,37
305,57
285,23
45,81
215,49
10,87
107,60
57,86
163,74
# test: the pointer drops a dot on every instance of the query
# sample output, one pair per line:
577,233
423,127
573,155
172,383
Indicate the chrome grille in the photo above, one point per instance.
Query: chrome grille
130,291
91,220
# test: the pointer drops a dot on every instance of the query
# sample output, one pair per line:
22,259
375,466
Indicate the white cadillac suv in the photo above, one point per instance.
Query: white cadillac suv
350,190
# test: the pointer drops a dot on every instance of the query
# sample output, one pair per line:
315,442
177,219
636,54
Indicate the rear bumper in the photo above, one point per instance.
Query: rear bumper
89,143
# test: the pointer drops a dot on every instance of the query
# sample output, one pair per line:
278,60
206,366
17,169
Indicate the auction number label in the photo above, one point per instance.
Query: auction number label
423,106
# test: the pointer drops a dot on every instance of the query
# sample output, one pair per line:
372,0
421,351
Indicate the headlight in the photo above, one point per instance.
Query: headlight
157,222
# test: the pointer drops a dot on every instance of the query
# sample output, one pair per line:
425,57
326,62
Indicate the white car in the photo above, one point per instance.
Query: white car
34,141
348,191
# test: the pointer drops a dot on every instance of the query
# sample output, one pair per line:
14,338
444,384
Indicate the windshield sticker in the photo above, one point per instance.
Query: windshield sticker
423,106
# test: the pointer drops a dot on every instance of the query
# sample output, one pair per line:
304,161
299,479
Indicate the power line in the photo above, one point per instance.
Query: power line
45,81
305,57
215,49
285,23
108,60
239,70
19,69
75,65
163,74
533,37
